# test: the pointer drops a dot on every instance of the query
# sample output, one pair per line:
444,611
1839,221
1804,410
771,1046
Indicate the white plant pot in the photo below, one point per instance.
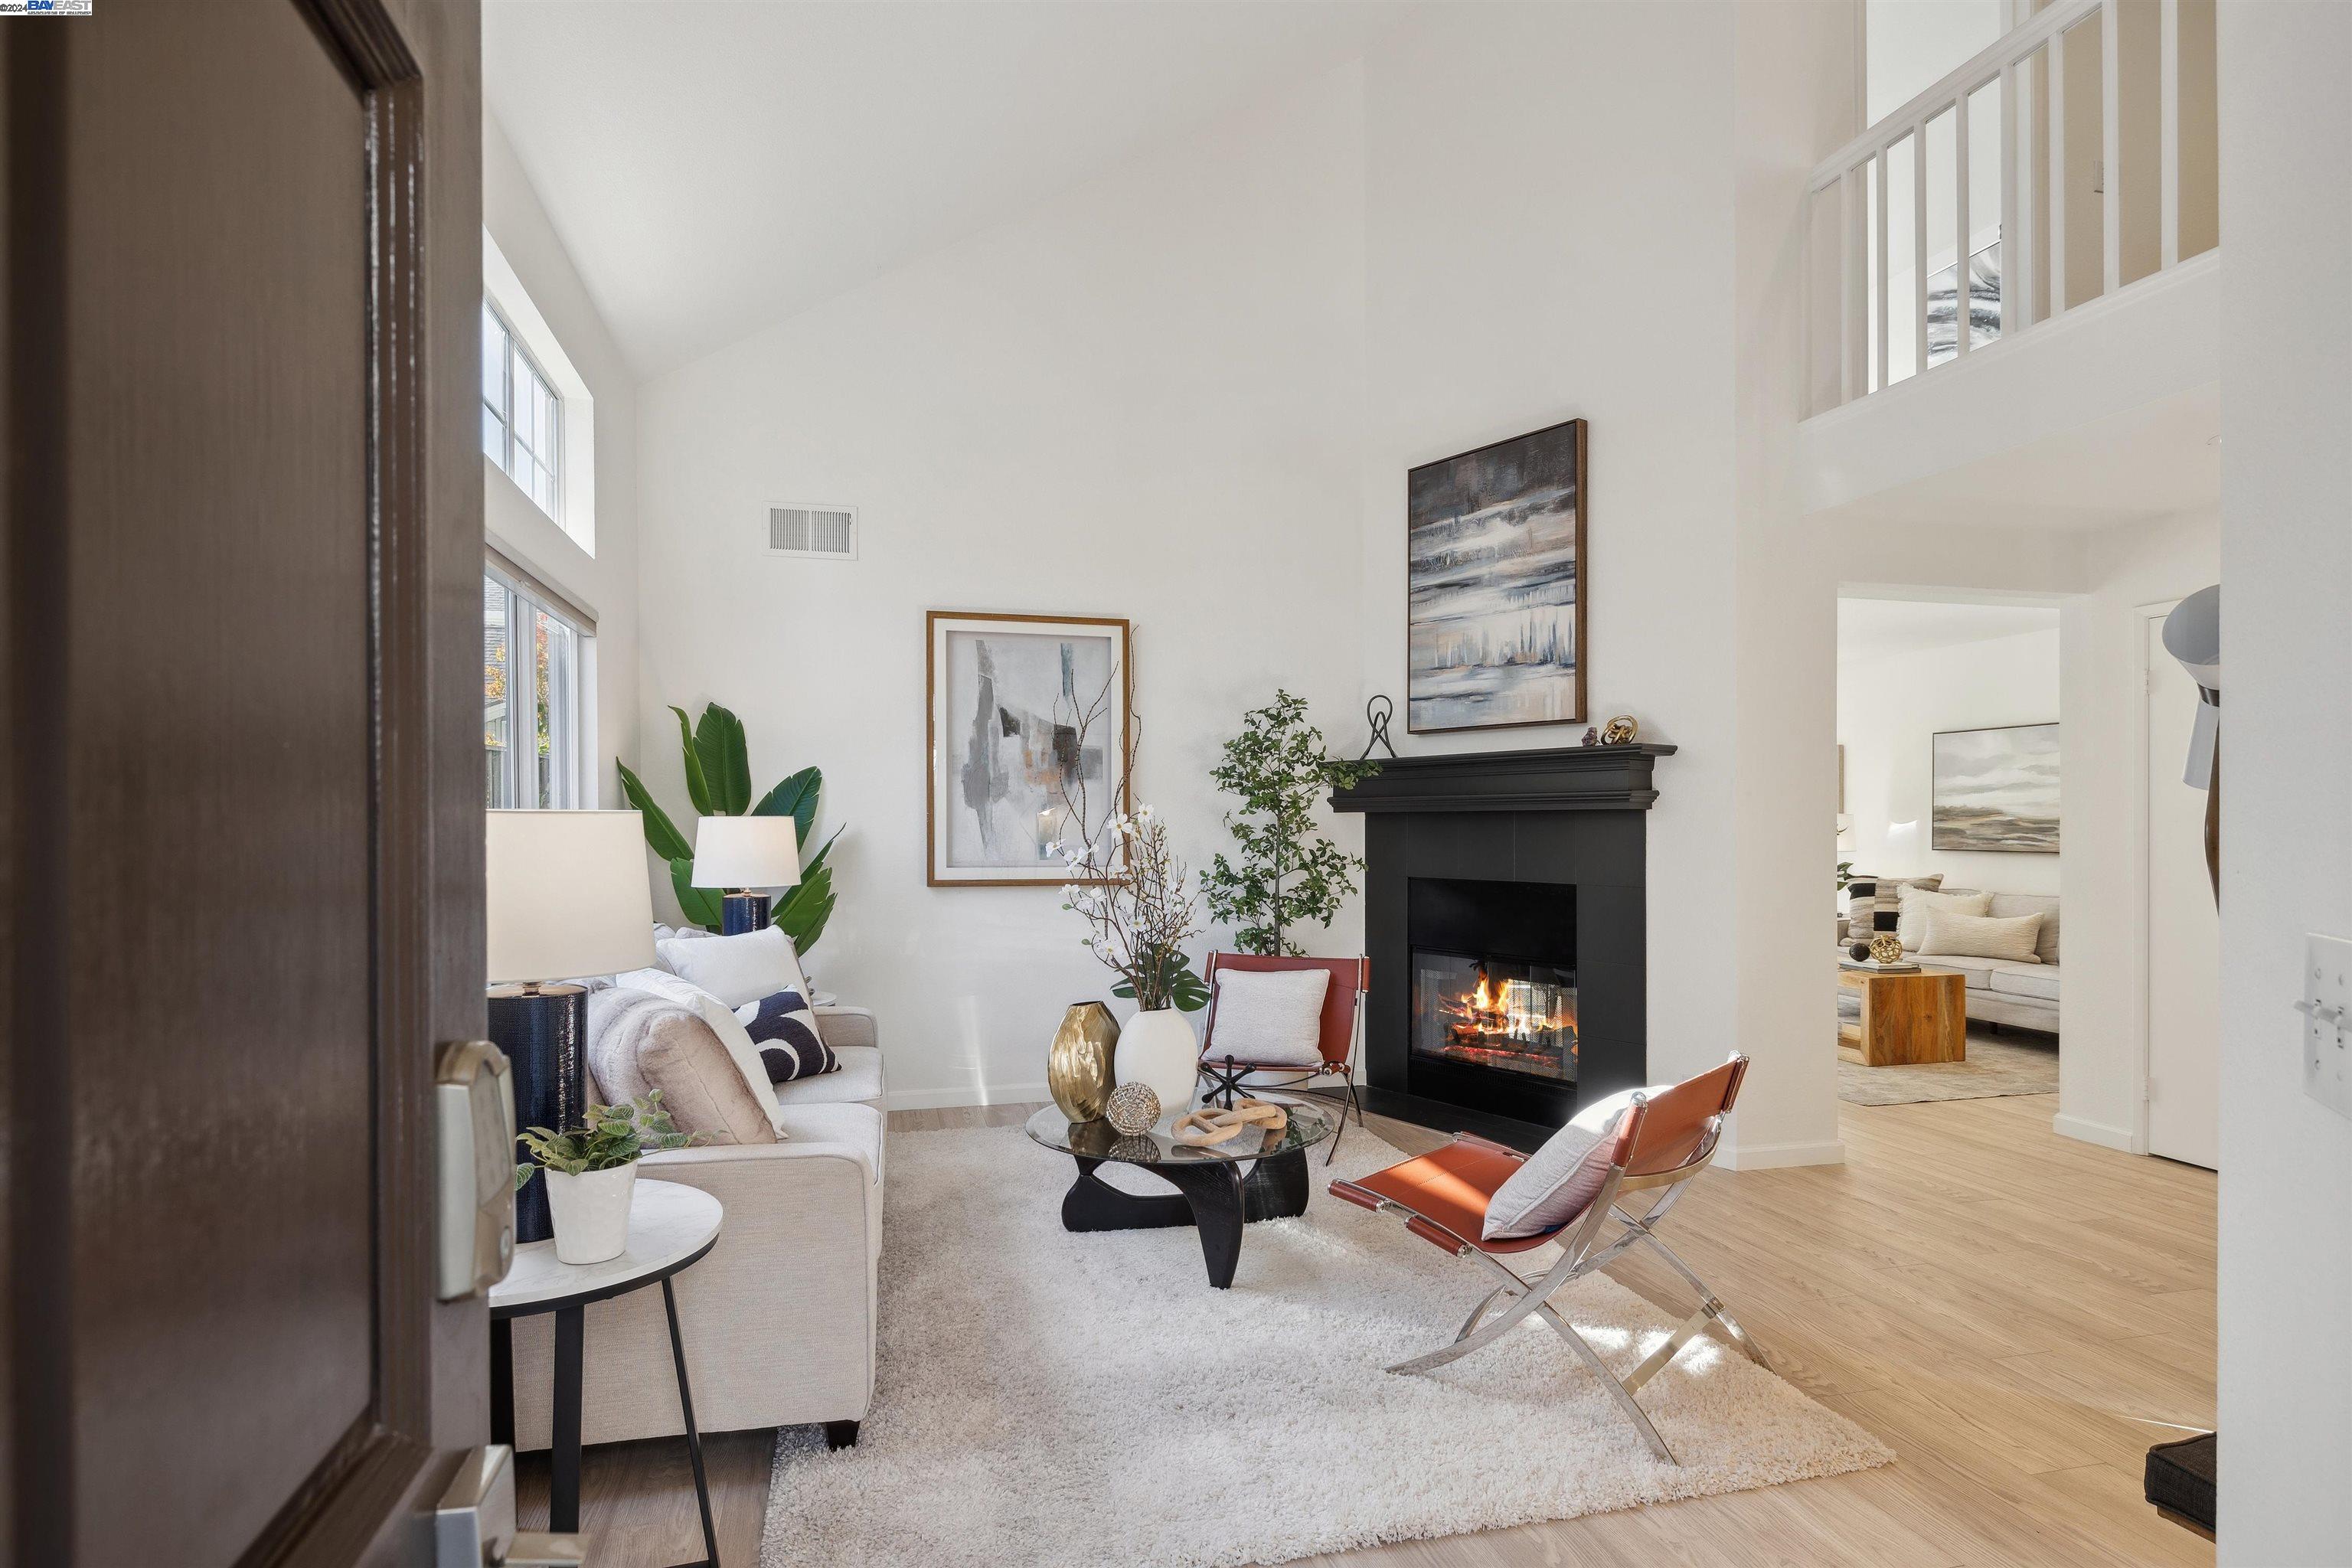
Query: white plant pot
591,1212
1158,1048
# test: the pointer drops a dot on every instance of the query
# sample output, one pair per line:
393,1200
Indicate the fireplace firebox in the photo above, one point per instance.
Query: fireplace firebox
1493,975
1505,917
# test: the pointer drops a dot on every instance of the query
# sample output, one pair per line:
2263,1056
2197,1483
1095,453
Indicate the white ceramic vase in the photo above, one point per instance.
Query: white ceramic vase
1158,1048
591,1212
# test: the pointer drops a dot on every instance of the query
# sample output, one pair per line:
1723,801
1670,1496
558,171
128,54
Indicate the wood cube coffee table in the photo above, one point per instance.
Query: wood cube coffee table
1907,1017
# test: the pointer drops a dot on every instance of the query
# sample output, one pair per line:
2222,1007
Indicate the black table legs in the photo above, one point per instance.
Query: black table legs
563,1443
693,1437
1212,1196
571,1347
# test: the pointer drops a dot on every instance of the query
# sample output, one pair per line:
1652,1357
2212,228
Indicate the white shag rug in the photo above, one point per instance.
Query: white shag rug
1070,1401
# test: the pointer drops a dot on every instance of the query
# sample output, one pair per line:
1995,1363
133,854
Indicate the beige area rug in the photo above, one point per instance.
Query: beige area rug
1997,1065
1059,1401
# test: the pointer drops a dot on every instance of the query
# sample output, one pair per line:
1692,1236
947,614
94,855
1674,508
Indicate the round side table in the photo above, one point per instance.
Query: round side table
671,1228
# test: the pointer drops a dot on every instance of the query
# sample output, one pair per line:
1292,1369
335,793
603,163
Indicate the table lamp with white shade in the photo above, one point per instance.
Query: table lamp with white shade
569,896
740,855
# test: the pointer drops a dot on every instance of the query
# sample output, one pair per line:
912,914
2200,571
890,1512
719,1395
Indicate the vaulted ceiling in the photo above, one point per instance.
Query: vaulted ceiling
716,167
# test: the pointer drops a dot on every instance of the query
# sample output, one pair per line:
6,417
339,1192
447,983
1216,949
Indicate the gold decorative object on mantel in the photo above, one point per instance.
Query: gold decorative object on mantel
1887,948
1620,731
1077,1068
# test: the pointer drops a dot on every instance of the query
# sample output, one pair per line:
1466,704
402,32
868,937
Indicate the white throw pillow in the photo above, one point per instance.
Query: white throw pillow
1912,925
1982,936
1270,1016
737,969
1555,1184
723,1022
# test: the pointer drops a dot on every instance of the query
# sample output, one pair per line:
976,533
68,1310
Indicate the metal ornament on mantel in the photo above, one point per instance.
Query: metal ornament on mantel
1078,1066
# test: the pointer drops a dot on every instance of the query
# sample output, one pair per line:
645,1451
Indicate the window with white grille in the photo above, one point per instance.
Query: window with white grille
522,417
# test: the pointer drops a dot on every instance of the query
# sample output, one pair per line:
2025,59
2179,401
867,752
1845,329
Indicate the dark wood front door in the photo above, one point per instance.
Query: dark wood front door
241,811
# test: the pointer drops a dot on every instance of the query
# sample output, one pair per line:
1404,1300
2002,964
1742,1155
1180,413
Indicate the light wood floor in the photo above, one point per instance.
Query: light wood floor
2018,1315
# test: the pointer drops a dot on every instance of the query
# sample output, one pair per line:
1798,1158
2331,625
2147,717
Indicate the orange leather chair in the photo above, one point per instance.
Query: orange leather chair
1661,1141
1336,1041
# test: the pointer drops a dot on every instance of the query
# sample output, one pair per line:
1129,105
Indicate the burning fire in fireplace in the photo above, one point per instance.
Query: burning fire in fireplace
1522,1024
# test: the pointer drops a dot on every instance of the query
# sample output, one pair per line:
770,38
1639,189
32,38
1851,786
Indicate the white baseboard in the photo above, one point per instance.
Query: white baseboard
1772,1156
970,1094
2091,1131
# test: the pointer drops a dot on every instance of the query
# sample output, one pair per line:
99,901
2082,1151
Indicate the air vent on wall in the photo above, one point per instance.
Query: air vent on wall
817,532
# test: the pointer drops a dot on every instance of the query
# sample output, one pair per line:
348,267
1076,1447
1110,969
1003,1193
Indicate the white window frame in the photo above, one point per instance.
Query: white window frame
567,728
517,459
575,484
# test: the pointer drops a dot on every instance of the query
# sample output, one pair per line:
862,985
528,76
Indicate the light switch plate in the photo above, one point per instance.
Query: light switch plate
2327,1010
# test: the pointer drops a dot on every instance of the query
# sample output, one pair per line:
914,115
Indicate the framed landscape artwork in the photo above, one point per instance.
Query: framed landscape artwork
1023,738
1495,584
1996,789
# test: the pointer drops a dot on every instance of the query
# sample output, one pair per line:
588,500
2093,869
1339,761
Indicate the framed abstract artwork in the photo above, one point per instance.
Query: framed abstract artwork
1027,717
1996,789
1495,584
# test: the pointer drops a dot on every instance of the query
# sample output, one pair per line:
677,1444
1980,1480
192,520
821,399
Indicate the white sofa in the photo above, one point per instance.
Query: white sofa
779,1320
2023,995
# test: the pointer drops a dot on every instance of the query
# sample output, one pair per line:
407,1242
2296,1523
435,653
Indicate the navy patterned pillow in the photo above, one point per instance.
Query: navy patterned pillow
784,1028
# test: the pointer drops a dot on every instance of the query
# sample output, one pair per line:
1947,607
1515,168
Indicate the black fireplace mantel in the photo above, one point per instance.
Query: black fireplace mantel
1564,778
1569,820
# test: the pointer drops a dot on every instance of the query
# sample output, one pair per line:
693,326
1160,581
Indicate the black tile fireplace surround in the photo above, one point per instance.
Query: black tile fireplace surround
1533,860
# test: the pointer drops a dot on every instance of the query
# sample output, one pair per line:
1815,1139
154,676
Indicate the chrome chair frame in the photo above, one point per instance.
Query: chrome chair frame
1582,1253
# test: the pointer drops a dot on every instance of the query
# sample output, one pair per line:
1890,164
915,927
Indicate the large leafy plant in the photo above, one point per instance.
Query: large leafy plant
719,784
1285,873
609,1137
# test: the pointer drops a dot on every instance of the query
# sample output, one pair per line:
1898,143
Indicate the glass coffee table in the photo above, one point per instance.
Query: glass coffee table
1212,1195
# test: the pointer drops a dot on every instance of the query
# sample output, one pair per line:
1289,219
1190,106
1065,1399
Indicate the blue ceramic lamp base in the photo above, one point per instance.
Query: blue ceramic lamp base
544,1029
740,912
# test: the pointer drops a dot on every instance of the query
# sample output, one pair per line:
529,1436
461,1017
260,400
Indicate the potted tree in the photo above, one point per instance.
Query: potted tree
1285,873
591,1174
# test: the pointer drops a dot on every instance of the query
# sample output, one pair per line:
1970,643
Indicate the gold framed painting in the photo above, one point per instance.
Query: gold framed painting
1025,734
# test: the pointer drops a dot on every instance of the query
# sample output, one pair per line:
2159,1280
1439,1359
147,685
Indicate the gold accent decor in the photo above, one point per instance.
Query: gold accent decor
1620,731
1887,948
1077,1068
1133,1107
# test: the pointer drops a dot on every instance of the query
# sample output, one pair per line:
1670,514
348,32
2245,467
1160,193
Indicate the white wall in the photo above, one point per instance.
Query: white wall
1549,235
1504,259
1188,393
1891,702
2101,1063
2287,836
1142,399
604,583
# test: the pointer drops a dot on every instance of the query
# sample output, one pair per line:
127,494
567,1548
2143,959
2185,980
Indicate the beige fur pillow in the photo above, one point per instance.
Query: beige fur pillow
1982,936
639,1042
1912,926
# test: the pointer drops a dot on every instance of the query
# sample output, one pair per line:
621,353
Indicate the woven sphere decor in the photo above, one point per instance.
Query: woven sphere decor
1886,947
1133,1108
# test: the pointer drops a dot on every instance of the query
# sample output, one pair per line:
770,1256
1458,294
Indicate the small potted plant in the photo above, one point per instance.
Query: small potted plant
591,1174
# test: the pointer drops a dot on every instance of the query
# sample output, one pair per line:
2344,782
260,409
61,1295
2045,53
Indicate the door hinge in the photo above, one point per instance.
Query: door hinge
474,1527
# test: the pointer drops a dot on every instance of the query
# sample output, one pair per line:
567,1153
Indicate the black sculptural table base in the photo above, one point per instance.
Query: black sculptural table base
1212,1197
